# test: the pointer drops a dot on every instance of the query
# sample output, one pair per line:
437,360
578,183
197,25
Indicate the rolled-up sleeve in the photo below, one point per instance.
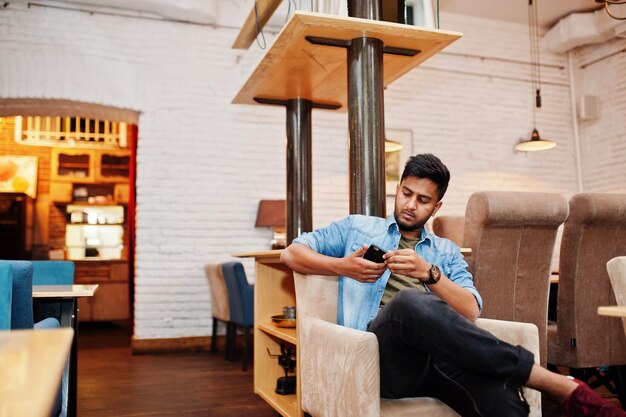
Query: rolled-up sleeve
461,276
329,240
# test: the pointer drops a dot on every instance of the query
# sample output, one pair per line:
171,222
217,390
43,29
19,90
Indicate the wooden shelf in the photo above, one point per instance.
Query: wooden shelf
286,334
294,68
286,405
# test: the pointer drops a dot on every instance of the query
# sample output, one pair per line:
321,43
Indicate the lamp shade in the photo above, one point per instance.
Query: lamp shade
535,143
271,213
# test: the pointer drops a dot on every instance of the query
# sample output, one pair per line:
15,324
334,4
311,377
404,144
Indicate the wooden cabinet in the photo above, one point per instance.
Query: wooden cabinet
111,301
273,289
113,166
90,165
74,165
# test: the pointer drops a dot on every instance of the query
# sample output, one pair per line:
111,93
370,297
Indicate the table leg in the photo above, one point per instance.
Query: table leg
69,318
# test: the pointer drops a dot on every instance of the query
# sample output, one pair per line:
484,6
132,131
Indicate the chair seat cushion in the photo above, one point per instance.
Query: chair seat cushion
410,407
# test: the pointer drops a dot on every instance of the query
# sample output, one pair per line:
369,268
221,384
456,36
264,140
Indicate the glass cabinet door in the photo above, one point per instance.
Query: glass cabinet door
114,166
72,165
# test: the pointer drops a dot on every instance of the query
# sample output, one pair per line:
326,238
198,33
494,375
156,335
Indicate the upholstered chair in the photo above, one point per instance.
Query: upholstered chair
512,237
616,268
22,313
339,367
241,303
450,227
594,233
220,309
6,295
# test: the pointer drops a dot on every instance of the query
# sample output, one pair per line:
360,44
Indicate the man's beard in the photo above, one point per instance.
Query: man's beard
408,228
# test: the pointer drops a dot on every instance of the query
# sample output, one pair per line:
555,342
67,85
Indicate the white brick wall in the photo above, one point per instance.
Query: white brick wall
603,141
203,163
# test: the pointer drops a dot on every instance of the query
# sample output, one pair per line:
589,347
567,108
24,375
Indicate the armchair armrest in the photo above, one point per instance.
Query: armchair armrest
523,334
339,370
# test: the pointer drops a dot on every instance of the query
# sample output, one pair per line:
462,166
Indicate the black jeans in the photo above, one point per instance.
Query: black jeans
427,349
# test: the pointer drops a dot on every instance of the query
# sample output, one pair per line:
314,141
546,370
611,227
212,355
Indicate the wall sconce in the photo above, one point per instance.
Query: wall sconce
608,10
272,213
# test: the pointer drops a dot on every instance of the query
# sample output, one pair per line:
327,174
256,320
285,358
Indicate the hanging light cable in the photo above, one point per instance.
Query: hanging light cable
608,10
535,143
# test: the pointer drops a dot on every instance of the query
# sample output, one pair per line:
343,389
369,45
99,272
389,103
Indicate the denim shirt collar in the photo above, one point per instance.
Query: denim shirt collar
425,235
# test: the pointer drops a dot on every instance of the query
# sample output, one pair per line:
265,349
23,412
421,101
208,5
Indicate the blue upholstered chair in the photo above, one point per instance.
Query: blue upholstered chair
54,273
6,295
241,301
22,309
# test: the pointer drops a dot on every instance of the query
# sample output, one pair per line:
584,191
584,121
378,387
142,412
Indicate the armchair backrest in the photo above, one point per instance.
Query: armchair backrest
594,233
6,295
22,300
53,272
512,237
219,293
240,294
616,268
450,227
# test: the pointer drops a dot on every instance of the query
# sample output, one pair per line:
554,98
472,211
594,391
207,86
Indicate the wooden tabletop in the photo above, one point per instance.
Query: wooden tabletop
64,291
31,365
294,68
612,311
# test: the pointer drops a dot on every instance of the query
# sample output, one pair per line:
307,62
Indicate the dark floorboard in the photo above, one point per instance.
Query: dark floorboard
112,382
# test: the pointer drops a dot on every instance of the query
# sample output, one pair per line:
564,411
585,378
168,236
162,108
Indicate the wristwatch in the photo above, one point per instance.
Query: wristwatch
435,275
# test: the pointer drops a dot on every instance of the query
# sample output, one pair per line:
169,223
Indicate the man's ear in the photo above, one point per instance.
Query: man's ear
437,207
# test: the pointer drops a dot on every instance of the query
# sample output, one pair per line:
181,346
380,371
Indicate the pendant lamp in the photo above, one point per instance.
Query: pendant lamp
535,143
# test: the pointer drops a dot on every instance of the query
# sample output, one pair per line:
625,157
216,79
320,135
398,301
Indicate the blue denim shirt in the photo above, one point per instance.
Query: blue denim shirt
359,302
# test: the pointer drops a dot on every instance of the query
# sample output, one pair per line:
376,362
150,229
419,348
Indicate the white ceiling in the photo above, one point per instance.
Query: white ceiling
548,11
206,11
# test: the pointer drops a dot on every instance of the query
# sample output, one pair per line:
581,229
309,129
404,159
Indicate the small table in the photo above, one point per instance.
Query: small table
32,363
66,295
612,311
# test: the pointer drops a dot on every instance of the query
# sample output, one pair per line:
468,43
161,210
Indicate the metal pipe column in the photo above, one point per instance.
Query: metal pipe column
299,201
366,116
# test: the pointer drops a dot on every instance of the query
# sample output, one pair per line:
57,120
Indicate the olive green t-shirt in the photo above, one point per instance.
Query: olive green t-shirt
399,282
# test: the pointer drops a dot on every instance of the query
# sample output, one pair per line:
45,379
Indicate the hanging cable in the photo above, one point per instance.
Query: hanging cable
608,11
259,30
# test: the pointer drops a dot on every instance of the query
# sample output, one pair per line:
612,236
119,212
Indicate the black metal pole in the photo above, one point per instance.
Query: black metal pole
367,127
299,200
366,116
365,9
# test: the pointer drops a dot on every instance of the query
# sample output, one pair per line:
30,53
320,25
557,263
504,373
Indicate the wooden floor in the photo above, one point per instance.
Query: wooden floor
112,382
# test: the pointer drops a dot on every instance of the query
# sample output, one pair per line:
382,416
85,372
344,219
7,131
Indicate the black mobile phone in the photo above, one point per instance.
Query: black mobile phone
374,254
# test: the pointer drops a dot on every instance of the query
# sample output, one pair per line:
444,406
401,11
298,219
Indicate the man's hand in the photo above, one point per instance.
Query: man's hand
360,269
408,263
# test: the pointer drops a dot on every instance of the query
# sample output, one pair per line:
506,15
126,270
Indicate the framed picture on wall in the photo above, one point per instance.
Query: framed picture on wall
398,150
18,174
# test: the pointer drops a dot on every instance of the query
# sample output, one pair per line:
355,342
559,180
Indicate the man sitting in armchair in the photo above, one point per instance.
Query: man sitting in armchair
420,302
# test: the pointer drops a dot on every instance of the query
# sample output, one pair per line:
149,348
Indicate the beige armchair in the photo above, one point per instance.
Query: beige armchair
594,233
339,369
450,227
512,237
616,268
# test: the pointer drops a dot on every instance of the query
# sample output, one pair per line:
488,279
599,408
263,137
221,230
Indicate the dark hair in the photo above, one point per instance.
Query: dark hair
427,165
